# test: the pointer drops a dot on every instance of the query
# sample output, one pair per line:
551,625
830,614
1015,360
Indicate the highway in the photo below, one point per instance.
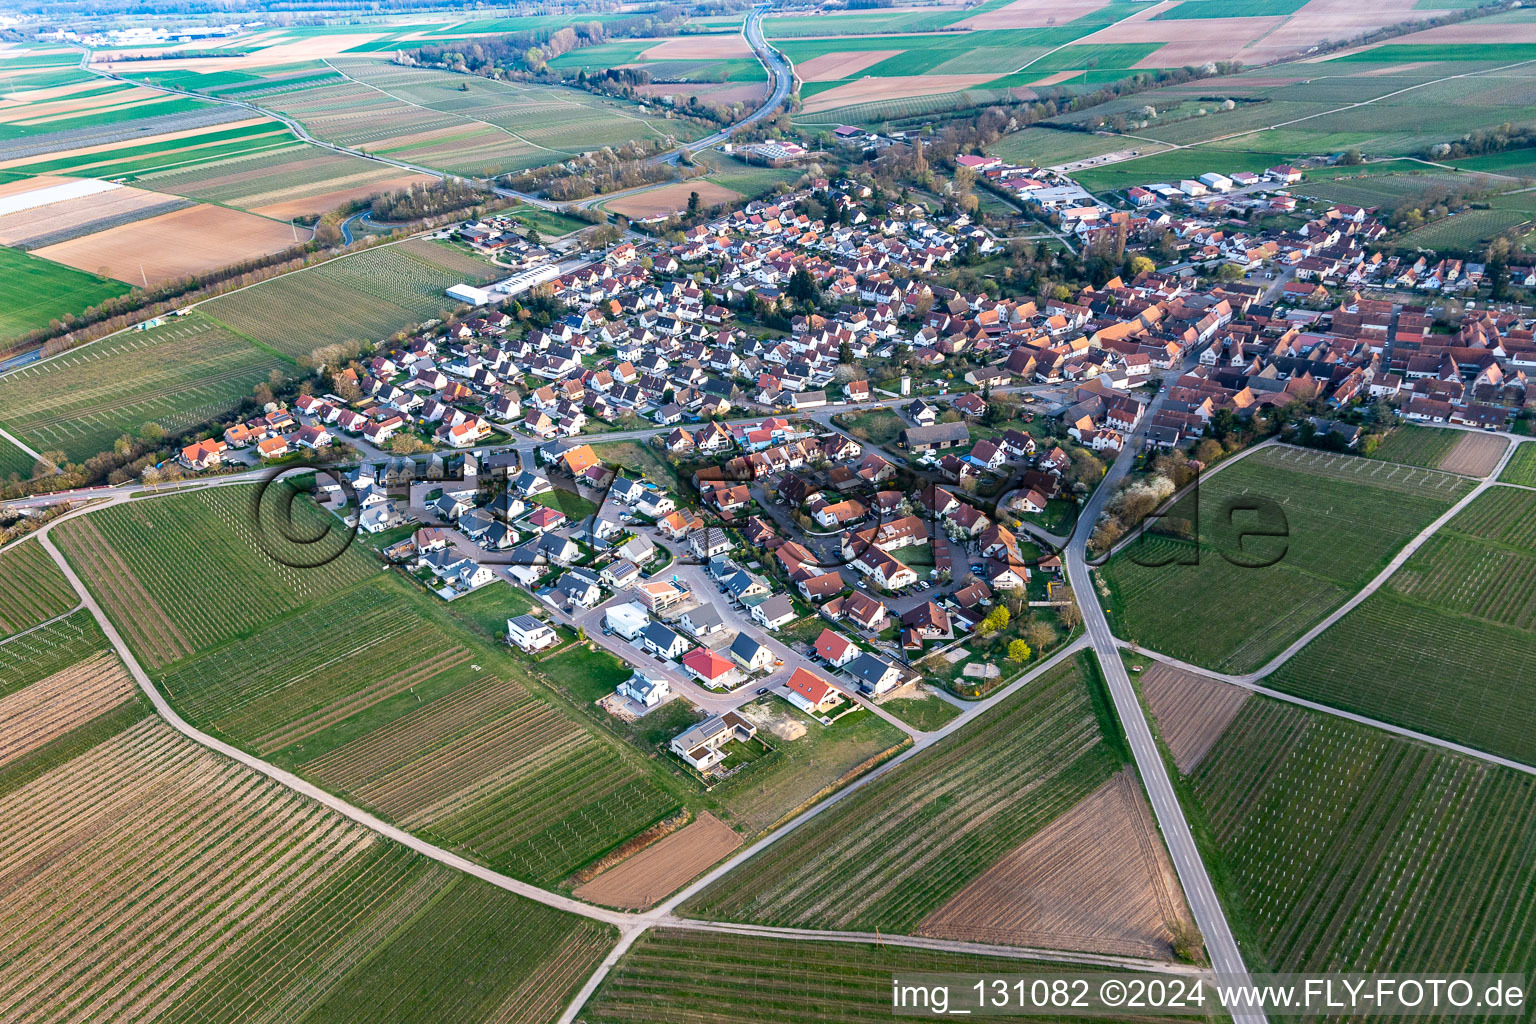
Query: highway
1220,944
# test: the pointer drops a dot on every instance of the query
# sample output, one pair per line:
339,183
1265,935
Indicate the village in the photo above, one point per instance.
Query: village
858,479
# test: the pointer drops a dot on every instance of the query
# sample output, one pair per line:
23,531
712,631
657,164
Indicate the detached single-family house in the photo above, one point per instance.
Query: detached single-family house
835,649
702,745
530,633
777,611
751,654
874,675
811,693
712,669
647,691
663,641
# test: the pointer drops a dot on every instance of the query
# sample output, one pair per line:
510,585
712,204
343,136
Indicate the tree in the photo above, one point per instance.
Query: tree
1229,273
1141,265
1039,635
1018,652
995,622
693,203
1071,615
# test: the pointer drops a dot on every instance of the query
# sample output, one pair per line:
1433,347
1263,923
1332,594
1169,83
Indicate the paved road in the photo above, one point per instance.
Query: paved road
1222,947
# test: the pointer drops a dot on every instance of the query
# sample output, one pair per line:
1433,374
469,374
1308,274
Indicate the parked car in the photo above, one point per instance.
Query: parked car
762,690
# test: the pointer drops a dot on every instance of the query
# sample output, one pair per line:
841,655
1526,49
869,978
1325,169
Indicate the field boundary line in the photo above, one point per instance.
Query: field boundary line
1404,553
663,911
43,625
1312,705
1135,14
452,113
936,945
624,922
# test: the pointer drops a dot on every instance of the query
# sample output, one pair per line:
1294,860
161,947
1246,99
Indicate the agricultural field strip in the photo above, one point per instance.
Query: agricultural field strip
630,925
664,912
1290,698
299,130
625,922
1321,113
456,113
921,942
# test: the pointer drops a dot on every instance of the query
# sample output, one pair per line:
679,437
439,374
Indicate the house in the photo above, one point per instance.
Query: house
638,549
811,693
777,611
819,588
580,588
835,649
647,691
702,745
620,574
663,641
865,611
272,448
558,549
530,633
706,544
874,675
705,620
751,653
627,620
203,455
711,669
545,519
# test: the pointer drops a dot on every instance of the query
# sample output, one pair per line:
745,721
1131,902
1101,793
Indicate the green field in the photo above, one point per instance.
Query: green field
356,680
1466,231
549,223
1048,147
476,951
181,374
1522,466
14,461
184,572
1344,517
32,589
1413,445
26,659
34,292
747,179
710,978
363,297
904,844
878,426
1353,850
184,881
1446,649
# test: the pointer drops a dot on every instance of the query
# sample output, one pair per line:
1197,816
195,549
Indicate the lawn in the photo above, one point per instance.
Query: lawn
35,291
749,180
1446,649
180,374
1350,849
879,426
1233,602
575,507
550,223
1522,466
709,978
926,711
904,844
800,771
